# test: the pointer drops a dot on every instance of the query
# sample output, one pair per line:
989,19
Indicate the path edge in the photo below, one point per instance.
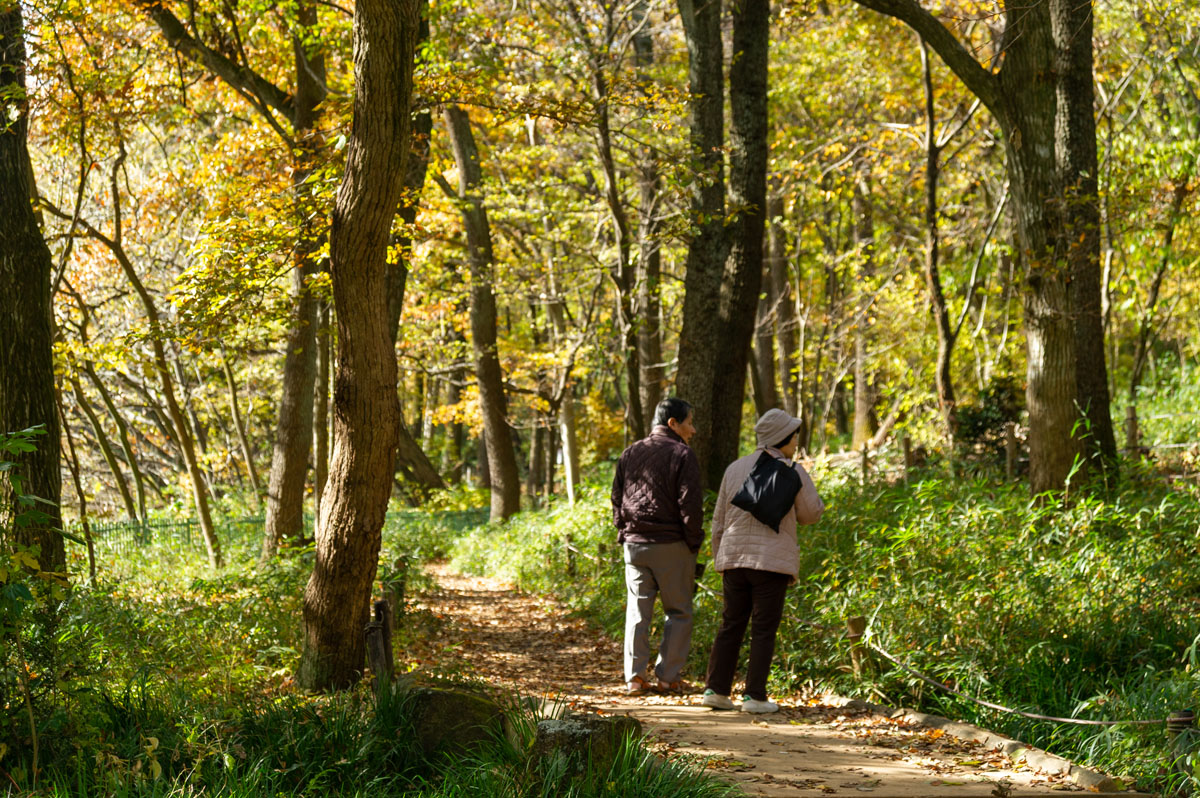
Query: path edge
1089,779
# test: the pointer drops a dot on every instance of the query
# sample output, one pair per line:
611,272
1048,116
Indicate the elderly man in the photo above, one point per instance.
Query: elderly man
658,510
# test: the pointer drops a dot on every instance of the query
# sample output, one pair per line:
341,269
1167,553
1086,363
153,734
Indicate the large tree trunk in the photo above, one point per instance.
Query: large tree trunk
1042,99
700,336
1078,170
501,456
293,435
366,407
714,348
26,327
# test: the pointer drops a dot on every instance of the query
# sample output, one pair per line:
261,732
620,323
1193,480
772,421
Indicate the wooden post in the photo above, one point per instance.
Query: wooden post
908,458
1131,430
855,628
601,559
1010,450
866,463
570,556
379,647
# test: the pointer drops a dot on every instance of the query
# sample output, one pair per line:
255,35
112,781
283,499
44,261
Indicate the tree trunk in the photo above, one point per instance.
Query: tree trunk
785,308
1042,99
943,378
293,431
106,450
321,411
135,469
293,435
649,266
502,459
764,368
700,336
1078,170
26,323
73,466
623,273
452,453
240,426
864,389
177,425
366,407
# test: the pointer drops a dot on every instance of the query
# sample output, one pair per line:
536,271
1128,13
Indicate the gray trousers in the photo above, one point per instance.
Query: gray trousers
653,569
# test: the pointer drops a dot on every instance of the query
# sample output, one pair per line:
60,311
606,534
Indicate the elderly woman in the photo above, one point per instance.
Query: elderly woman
756,560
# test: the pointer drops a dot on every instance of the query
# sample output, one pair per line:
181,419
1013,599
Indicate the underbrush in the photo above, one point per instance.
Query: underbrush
1084,608
165,678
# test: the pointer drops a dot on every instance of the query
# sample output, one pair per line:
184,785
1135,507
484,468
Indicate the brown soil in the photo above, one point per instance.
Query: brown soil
813,746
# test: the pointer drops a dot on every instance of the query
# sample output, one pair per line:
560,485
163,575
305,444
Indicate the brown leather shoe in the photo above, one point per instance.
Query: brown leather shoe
677,687
637,686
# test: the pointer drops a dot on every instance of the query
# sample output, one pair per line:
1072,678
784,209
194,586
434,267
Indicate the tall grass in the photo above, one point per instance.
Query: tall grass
1081,608
174,680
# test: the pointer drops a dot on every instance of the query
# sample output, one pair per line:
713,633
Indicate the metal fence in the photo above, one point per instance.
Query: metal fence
128,536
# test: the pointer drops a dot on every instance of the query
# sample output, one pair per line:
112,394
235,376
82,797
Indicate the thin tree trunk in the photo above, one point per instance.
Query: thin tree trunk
763,368
943,378
321,411
119,422
175,413
240,427
1146,324
366,406
649,265
864,389
105,449
785,308
73,465
502,461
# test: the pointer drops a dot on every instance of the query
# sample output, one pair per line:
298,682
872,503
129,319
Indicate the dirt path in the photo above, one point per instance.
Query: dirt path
812,747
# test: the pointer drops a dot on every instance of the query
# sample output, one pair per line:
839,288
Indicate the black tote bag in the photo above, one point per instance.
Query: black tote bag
769,492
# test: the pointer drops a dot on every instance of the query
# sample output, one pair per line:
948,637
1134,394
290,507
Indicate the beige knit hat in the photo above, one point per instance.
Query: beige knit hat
775,427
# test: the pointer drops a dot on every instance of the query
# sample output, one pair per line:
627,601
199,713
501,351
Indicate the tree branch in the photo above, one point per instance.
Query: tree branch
239,76
982,83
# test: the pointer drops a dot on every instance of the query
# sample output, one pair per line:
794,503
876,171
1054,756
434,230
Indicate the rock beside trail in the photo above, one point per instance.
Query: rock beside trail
584,740
454,720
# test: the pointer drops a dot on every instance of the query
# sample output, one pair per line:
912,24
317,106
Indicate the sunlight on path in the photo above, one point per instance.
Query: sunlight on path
809,748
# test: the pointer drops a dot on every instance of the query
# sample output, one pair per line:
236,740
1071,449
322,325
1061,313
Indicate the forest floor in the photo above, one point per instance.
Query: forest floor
815,745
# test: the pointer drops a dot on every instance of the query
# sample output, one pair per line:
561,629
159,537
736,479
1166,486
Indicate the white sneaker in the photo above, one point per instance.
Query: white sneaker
717,701
759,707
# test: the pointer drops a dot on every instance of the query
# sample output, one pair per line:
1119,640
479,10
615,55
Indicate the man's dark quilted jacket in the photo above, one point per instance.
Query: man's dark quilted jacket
656,493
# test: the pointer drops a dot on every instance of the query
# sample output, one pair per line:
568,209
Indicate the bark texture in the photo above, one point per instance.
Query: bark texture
1042,99
748,201
504,480
294,426
26,328
700,334
366,407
